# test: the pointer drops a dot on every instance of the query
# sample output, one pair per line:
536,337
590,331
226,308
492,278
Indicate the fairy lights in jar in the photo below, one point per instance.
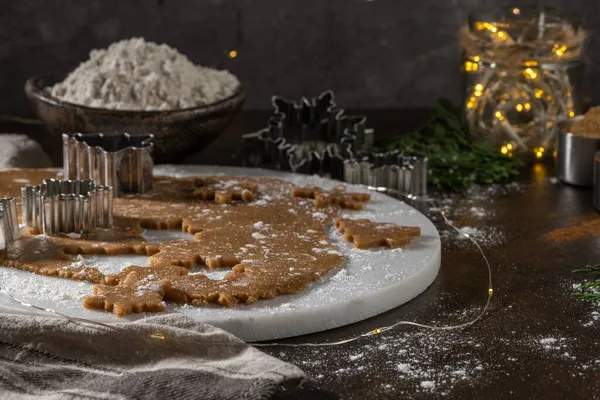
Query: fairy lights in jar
520,65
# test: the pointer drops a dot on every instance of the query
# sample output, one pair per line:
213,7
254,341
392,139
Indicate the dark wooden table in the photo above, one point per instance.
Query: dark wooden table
536,341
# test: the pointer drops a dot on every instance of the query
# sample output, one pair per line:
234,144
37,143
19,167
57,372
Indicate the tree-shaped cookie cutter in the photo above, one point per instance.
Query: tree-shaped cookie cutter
9,222
122,161
70,206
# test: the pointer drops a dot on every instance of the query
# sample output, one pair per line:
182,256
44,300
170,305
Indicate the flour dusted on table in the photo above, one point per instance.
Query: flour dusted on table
138,75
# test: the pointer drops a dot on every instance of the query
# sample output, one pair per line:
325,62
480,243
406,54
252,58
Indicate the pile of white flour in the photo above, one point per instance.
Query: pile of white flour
138,75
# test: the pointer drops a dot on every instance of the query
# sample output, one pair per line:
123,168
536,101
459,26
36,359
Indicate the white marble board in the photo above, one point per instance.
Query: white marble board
370,281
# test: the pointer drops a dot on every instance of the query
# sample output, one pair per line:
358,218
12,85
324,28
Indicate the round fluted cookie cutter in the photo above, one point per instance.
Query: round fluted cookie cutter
70,206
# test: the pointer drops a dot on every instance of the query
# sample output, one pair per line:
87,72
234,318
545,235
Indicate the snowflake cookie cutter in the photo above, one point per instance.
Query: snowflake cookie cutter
9,222
310,137
70,206
122,161
317,137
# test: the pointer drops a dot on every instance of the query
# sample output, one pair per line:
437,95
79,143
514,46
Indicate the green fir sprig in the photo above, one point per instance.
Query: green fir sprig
589,291
455,160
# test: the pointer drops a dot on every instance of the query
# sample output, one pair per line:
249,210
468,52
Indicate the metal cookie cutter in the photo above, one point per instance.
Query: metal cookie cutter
316,137
309,137
9,222
390,172
575,155
73,206
122,161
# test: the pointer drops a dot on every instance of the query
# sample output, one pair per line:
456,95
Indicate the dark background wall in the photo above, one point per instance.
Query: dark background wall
373,53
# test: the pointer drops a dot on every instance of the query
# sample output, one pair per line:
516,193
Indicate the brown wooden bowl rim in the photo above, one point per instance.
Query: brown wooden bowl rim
32,88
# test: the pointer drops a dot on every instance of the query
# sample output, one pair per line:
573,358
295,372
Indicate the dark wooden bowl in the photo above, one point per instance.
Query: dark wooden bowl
178,133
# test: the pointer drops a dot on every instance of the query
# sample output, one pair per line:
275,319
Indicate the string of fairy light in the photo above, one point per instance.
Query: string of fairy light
160,338
531,72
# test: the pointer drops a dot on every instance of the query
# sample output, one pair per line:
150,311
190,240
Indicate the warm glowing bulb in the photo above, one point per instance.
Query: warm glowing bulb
479,87
519,107
539,93
490,291
157,336
530,73
233,54
503,150
498,114
477,93
509,146
476,58
502,35
376,331
539,154
516,11
527,106
571,113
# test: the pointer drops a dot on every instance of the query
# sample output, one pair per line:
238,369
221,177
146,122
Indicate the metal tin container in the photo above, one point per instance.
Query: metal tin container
576,155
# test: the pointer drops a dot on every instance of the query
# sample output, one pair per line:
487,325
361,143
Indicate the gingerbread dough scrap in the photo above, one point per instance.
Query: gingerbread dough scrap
163,272
268,260
135,297
225,190
123,238
34,254
336,196
366,234
12,180
172,202
290,211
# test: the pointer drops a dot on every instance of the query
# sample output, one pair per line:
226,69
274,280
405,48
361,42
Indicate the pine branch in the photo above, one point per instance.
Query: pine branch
455,160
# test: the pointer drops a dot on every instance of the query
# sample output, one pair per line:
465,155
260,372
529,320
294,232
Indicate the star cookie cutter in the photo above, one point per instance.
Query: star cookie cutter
313,137
122,161
70,206
9,222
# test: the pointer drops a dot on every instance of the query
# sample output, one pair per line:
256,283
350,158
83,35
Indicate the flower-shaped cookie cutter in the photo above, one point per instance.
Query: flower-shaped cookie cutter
122,161
70,206
9,222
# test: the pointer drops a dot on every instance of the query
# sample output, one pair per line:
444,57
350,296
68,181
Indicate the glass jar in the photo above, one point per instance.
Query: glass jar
522,68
